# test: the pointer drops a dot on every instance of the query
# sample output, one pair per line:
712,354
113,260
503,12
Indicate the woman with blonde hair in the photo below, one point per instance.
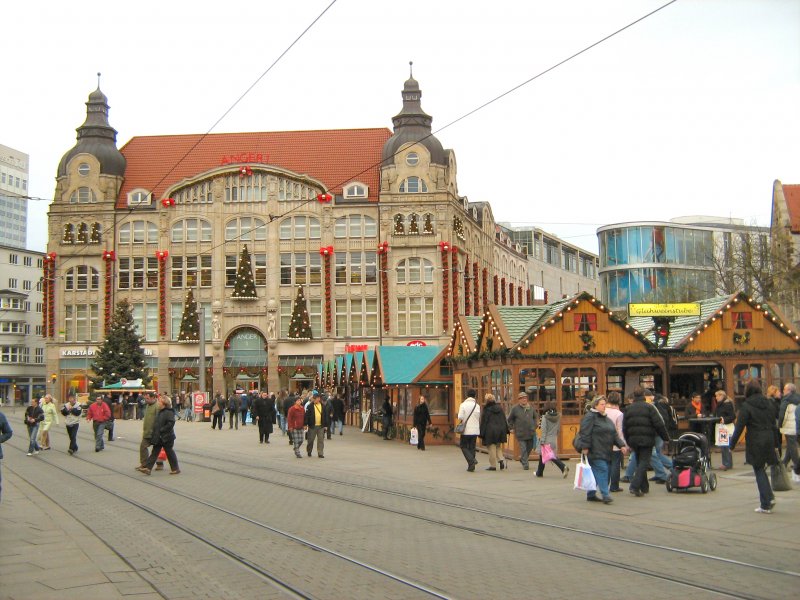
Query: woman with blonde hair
50,417
494,432
727,415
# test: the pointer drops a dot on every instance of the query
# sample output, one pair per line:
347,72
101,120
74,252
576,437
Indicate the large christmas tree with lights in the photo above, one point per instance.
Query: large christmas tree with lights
244,288
300,326
121,356
190,323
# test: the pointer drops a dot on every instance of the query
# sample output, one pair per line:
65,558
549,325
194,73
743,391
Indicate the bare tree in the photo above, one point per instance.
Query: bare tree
744,262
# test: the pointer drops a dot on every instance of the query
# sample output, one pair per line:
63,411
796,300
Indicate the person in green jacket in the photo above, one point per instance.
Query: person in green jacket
150,413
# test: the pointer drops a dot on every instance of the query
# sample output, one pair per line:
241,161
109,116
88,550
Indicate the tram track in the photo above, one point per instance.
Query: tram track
460,525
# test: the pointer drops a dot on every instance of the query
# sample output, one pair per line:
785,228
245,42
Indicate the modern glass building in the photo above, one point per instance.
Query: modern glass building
655,262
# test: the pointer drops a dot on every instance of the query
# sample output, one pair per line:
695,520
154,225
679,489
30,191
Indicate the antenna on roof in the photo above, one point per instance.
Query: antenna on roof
411,69
98,80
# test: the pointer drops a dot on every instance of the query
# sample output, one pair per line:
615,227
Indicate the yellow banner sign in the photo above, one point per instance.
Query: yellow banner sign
685,309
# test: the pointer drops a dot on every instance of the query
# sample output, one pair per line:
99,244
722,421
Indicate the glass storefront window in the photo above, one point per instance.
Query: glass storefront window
575,383
783,373
744,374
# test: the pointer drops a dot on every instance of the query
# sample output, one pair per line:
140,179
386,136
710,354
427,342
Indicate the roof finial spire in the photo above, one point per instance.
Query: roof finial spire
98,80
411,69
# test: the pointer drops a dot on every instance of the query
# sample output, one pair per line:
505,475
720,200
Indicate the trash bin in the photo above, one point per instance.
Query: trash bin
206,413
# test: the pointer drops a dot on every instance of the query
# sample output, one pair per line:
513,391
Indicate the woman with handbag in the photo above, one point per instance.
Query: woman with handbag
759,417
494,432
726,415
596,439
548,450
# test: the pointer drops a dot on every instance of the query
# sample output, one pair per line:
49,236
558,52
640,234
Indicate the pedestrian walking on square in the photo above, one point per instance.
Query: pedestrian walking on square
596,437
295,423
522,422
317,423
388,417
422,418
640,426
233,411
149,421
50,417
726,414
757,415
264,416
72,418
614,413
337,407
470,414
5,434
244,406
163,437
33,417
787,416
98,414
550,426
494,432
217,410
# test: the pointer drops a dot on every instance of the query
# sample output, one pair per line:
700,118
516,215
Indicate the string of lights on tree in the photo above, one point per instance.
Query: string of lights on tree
190,321
244,288
299,325
121,355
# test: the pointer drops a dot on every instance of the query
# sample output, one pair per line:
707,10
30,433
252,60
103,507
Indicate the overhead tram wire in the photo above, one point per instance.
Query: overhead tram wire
517,87
210,129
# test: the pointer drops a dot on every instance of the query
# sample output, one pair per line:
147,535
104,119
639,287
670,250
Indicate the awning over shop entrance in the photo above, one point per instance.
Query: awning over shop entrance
234,362
300,360
187,362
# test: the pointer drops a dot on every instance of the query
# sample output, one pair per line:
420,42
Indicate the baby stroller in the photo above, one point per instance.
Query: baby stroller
691,464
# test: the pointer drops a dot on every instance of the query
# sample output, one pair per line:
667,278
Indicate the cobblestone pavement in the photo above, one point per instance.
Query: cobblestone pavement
417,516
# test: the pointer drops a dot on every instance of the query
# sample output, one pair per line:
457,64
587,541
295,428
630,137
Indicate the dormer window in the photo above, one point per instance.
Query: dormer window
356,190
139,198
412,159
413,185
743,320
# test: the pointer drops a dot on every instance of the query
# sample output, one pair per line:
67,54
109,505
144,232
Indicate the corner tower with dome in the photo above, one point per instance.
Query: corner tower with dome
376,234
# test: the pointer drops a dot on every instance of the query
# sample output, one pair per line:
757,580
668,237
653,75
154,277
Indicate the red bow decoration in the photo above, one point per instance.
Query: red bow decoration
109,255
326,250
162,254
444,246
245,171
51,257
323,198
383,248
454,249
167,202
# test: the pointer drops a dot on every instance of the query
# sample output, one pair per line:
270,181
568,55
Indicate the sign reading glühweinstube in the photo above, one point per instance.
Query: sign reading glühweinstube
683,309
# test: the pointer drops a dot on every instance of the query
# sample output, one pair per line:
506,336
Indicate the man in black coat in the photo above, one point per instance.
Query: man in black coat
640,425
337,404
318,420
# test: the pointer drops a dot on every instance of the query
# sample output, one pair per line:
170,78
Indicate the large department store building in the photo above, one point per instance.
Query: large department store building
369,224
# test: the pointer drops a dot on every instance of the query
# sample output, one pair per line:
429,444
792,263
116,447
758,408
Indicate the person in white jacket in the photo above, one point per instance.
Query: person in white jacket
72,417
470,414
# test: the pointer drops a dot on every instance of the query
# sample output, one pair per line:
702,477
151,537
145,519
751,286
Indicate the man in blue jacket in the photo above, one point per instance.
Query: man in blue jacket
5,433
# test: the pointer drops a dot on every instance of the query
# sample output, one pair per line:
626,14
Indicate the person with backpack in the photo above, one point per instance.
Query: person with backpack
233,411
787,421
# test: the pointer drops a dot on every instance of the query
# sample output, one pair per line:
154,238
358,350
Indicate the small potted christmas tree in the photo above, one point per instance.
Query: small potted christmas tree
300,326
190,323
244,288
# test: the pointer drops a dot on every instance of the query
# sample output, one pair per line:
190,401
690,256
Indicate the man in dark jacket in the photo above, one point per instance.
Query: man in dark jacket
640,425
233,411
337,405
318,421
522,421
758,416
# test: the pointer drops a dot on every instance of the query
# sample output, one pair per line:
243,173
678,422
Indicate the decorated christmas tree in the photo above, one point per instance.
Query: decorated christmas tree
121,356
244,288
190,323
300,326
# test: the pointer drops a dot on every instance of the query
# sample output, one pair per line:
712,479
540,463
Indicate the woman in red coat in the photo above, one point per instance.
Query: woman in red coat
295,424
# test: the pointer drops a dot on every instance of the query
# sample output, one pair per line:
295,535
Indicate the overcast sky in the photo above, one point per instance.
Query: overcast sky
691,111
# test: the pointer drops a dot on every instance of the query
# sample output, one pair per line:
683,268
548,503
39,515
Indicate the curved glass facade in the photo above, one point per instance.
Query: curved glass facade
655,263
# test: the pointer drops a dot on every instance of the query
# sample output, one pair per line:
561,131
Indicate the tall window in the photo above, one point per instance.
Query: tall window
138,232
356,268
415,316
252,188
81,278
137,273
145,319
357,317
415,270
191,230
301,268
314,317
258,262
81,322
246,229
191,271
355,226
198,193
299,228
413,185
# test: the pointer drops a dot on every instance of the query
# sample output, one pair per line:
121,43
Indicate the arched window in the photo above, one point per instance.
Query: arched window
299,228
413,224
191,230
399,224
415,270
69,234
83,233
413,185
83,195
246,229
355,190
427,227
82,278
96,236
355,226
138,232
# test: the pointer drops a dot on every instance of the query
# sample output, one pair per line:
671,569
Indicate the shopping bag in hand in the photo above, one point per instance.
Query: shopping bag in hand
584,478
547,453
414,439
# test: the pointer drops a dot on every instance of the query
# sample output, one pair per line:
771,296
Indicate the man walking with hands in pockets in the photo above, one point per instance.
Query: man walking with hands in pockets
470,415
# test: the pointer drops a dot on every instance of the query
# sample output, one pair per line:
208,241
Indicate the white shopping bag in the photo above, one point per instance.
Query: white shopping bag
722,433
584,478
414,439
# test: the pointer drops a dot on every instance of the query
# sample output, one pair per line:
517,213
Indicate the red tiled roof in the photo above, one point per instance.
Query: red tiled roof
334,157
792,195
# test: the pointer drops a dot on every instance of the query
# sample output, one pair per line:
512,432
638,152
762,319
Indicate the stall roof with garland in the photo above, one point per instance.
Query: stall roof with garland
404,364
